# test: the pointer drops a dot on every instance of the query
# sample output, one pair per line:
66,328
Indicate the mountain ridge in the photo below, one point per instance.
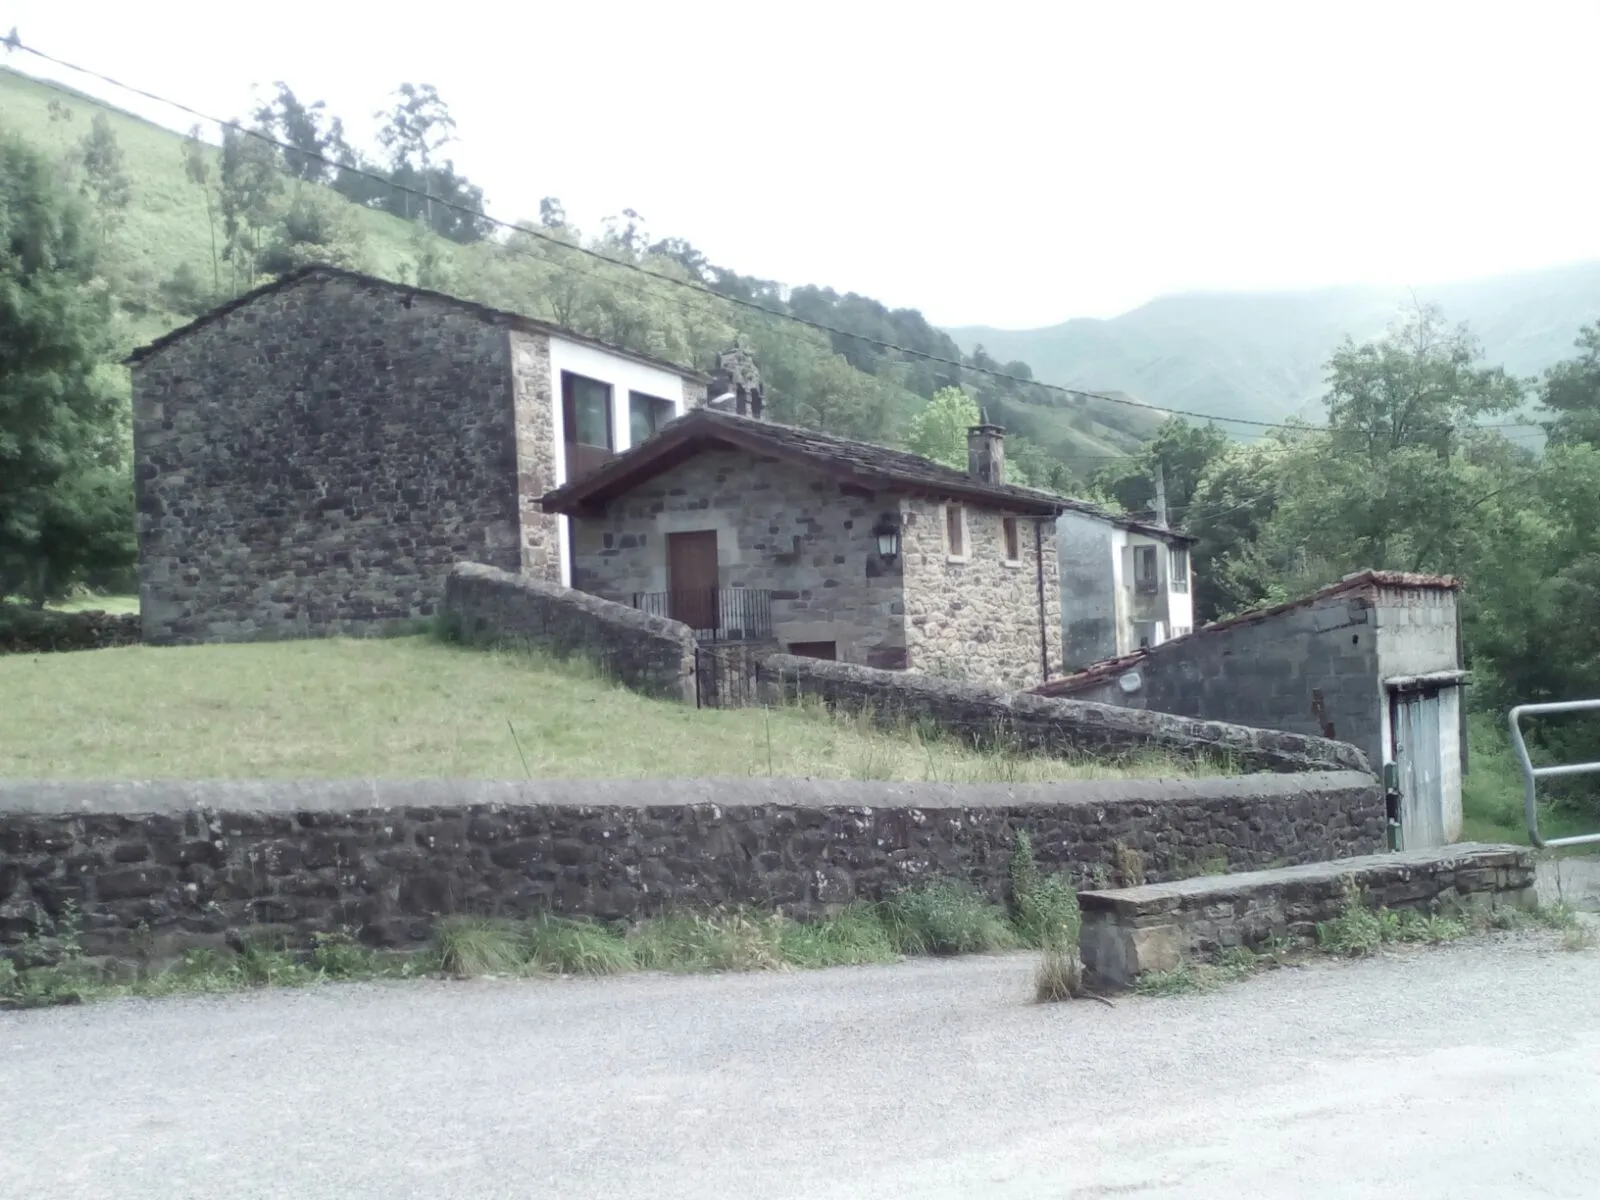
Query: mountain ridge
1261,355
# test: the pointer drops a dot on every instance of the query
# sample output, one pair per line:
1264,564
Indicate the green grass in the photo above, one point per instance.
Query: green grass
934,917
1492,793
415,707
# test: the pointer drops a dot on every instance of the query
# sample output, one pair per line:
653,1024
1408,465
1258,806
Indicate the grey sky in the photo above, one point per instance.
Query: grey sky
999,163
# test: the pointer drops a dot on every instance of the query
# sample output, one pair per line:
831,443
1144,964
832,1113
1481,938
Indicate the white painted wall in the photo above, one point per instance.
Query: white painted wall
624,375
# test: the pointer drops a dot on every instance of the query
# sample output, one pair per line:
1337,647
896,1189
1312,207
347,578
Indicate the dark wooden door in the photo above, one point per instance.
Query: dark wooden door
692,578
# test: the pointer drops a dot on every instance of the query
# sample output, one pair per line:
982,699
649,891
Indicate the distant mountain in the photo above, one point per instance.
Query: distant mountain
1261,355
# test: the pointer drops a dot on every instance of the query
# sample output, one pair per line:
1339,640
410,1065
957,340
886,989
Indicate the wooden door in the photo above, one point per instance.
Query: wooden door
1414,724
692,578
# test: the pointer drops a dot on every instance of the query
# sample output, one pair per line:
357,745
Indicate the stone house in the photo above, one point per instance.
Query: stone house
1125,584
753,531
315,455
1373,660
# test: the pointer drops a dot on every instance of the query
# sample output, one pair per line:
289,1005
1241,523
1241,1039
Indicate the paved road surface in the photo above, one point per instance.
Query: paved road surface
1466,1072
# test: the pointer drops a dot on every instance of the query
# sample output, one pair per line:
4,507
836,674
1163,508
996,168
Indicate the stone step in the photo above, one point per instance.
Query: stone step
1128,932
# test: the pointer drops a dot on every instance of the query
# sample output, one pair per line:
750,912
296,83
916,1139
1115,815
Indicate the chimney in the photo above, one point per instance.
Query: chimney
736,383
986,451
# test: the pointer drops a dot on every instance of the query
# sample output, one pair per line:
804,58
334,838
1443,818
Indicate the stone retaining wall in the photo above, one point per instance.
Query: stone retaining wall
40,631
1038,724
1132,931
170,863
652,655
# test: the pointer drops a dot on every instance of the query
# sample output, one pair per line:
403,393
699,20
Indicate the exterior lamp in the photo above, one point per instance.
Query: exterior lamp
888,535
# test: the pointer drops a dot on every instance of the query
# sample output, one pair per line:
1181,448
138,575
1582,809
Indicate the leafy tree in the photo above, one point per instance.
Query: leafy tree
197,169
313,137
415,128
1181,452
105,176
1571,394
939,431
65,494
314,228
249,186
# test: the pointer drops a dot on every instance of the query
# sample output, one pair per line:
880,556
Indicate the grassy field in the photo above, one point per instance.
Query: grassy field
418,708
1491,794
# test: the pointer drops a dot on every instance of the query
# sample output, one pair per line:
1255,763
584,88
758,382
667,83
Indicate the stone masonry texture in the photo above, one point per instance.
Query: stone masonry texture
316,460
810,541
1151,928
986,715
779,528
979,618
167,864
534,409
652,655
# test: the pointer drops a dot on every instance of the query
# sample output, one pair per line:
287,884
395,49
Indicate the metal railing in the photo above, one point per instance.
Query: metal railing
1531,773
715,614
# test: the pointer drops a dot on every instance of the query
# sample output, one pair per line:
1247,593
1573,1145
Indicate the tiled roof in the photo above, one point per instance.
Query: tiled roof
1362,580
497,316
843,457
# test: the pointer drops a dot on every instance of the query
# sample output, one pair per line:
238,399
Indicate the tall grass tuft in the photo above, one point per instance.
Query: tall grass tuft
945,918
469,947
568,947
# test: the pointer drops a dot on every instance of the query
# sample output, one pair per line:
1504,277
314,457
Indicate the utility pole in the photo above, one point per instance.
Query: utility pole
1161,496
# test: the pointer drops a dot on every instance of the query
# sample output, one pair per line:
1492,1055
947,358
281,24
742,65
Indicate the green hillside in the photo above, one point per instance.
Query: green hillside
1262,355
165,246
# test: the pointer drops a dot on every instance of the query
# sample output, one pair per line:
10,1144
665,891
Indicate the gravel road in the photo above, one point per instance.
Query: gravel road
1472,1071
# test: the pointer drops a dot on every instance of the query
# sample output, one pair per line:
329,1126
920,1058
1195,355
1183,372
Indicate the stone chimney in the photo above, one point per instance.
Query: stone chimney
986,451
736,383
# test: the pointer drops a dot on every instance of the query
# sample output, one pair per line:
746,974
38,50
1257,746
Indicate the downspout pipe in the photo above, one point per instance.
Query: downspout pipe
1038,567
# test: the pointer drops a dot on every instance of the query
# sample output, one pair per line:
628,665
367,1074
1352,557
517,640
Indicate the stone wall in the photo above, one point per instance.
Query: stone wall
161,864
1132,931
649,654
793,532
1037,724
539,532
40,631
1311,670
315,460
978,615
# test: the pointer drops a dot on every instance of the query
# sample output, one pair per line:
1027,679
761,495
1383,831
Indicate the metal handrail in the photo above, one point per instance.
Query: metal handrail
1530,773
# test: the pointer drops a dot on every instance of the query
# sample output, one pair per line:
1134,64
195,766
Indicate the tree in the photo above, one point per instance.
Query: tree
1399,475
249,183
197,169
1571,394
416,128
314,228
939,431
313,138
105,175
1181,452
65,493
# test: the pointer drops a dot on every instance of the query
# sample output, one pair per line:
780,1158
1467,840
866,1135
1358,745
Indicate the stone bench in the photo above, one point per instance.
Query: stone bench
1128,932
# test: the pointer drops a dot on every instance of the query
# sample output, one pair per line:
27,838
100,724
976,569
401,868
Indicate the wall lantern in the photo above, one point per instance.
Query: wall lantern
888,535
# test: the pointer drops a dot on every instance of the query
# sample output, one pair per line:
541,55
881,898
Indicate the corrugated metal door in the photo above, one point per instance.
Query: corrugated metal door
1415,718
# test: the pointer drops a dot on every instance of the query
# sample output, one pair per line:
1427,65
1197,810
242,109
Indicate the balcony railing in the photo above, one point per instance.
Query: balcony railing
715,614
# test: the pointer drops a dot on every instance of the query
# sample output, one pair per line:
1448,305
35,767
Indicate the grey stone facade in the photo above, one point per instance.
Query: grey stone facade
162,865
809,540
651,655
981,617
1132,931
779,528
1064,728
314,457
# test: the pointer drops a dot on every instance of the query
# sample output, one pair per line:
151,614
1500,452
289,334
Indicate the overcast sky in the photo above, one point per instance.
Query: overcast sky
997,163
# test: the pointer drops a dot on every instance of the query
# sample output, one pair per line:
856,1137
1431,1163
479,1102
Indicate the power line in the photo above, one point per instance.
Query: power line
15,43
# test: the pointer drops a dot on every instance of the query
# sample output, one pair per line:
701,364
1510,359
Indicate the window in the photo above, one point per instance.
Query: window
1145,577
955,530
587,409
586,414
1013,539
647,414
1179,564
827,650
